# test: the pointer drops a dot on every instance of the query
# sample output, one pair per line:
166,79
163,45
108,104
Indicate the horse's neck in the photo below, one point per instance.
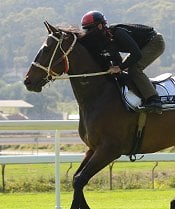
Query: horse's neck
83,90
91,90
88,90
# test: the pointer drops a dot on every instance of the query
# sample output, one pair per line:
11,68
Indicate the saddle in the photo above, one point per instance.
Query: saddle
164,85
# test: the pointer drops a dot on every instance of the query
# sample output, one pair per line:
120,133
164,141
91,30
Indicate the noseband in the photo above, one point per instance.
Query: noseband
51,74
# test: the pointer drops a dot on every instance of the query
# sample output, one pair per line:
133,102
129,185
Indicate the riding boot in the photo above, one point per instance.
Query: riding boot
153,104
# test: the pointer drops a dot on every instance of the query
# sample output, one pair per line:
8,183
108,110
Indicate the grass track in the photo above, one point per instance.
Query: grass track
120,199
16,171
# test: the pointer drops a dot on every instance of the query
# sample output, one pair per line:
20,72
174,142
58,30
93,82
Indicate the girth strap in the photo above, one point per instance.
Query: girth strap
138,136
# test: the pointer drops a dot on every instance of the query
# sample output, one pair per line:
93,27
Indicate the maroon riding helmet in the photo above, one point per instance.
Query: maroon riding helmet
93,18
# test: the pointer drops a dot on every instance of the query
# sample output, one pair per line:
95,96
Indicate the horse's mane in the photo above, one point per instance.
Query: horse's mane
71,29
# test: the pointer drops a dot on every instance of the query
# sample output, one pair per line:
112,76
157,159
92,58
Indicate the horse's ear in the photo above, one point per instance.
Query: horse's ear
50,28
46,24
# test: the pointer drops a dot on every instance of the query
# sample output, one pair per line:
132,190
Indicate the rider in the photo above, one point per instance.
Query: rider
143,45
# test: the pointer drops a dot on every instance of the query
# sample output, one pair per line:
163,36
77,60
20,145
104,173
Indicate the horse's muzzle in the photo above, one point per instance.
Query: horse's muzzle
32,87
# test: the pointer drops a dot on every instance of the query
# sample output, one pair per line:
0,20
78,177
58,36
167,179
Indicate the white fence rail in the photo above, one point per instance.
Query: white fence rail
57,158
77,158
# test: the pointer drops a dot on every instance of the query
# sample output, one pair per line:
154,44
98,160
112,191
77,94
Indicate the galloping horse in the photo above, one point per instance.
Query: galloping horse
105,125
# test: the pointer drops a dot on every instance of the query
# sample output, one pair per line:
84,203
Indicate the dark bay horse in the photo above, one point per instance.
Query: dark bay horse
105,125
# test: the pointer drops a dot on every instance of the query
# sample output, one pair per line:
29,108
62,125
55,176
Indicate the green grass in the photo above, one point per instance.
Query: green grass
119,199
16,171
40,177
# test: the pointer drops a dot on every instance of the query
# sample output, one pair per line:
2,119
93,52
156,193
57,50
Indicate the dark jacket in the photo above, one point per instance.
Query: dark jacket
127,38
130,38
99,48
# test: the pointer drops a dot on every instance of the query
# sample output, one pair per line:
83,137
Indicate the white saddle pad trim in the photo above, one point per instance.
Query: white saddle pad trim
165,88
161,77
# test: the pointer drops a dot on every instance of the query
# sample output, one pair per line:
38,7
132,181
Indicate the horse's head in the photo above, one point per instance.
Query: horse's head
51,60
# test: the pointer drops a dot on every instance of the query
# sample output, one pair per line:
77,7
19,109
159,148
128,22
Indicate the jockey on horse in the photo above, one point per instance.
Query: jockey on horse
142,43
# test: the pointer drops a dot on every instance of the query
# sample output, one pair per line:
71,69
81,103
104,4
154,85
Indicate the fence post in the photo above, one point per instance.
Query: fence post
110,175
67,177
57,169
3,177
156,164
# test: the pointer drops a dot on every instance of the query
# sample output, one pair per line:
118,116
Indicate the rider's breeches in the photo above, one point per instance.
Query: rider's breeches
150,52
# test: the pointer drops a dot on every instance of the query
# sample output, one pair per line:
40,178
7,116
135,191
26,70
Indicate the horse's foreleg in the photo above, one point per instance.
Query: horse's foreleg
83,203
78,199
88,155
100,158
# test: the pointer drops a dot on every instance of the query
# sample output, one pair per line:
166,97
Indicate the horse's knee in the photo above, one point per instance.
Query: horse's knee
79,181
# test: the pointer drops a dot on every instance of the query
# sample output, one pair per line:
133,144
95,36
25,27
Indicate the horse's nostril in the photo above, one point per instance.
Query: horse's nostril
27,81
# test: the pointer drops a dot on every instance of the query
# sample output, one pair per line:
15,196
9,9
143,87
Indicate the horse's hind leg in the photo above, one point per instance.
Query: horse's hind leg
100,158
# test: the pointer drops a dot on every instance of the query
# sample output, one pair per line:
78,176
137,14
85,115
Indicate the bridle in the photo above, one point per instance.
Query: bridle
51,75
